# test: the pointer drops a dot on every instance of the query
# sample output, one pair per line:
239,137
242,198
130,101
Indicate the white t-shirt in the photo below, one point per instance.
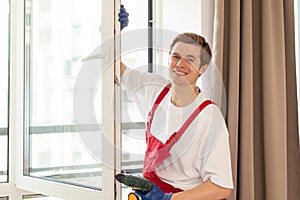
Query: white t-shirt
202,153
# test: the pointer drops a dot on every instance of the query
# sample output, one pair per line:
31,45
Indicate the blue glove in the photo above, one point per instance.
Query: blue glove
123,17
154,194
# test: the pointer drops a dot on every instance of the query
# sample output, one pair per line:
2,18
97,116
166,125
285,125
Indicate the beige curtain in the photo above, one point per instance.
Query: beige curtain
254,49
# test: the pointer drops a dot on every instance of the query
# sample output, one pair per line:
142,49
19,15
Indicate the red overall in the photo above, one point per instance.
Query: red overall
156,151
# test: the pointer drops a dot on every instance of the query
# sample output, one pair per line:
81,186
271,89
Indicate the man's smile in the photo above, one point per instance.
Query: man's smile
179,72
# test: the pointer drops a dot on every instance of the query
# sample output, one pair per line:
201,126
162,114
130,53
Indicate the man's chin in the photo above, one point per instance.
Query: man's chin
180,82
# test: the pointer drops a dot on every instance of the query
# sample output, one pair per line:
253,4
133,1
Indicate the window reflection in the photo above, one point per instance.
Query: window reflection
58,34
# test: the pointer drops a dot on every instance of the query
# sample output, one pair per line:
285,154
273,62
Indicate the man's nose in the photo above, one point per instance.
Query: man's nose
182,61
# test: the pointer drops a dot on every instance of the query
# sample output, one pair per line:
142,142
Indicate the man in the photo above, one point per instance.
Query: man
188,154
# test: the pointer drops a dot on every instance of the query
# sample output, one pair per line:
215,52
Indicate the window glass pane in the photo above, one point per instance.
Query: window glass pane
4,49
59,34
3,198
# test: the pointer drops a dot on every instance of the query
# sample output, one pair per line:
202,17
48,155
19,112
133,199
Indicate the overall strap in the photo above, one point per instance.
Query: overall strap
161,97
176,136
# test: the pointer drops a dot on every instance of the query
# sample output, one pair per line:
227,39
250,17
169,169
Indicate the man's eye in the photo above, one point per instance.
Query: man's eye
175,57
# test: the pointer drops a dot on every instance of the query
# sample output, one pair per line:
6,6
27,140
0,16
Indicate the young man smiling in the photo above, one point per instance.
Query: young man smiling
187,154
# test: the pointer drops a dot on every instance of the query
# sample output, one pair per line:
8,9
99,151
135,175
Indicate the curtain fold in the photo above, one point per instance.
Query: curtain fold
293,151
254,50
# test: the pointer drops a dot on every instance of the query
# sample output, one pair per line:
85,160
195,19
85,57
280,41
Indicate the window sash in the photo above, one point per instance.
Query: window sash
37,185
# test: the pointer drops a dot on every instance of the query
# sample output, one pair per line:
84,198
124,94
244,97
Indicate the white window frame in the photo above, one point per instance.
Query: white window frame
9,189
19,184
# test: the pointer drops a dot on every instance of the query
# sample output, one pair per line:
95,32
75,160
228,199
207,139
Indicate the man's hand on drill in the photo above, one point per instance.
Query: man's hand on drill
154,194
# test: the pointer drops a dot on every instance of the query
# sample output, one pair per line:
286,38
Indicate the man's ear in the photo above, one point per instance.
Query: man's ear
203,68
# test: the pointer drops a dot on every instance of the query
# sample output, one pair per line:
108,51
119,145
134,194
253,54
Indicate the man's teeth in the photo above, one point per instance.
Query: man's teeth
180,73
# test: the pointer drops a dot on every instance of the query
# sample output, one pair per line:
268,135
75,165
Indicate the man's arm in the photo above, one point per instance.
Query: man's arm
206,191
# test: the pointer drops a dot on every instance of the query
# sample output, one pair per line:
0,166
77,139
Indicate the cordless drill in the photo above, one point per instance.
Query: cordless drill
135,182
